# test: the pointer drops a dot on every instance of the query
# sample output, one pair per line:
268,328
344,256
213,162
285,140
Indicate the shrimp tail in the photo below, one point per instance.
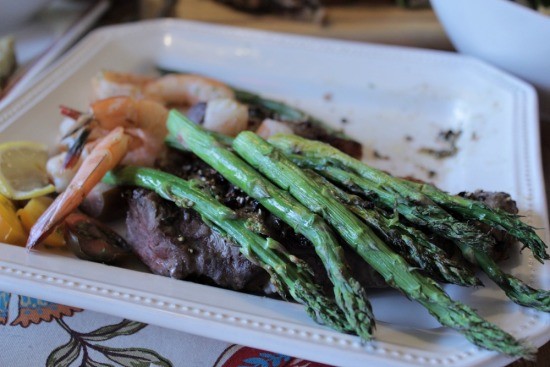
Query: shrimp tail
75,150
69,112
81,118
105,156
83,129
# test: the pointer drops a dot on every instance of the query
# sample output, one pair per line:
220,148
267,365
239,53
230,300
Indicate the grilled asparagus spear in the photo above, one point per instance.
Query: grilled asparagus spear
349,294
323,154
471,209
414,243
289,274
282,110
514,288
395,270
410,203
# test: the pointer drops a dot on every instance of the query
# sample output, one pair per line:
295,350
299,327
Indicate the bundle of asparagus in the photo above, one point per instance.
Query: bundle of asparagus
326,195
419,204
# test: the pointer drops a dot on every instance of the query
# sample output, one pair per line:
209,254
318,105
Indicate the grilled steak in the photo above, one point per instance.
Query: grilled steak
176,242
495,200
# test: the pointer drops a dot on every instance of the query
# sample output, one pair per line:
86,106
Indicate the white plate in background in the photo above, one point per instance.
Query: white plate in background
506,34
394,100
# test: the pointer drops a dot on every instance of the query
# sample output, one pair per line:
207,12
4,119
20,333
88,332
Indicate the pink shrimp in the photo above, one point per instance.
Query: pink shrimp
223,112
143,119
171,89
105,156
130,132
107,84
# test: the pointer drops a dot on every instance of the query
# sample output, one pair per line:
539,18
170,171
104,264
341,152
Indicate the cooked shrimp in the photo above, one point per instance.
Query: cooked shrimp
131,132
226,116
107,84
59,173
144,120
106,155
270,127
171,89
223,113
186,89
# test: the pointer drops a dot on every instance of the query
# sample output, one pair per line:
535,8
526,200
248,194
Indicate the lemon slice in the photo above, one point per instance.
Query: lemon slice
23,170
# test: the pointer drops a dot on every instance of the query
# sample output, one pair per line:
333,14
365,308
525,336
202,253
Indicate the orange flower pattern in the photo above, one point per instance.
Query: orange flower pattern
34,311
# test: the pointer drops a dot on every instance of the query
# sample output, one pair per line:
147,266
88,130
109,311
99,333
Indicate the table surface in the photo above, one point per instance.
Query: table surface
365,21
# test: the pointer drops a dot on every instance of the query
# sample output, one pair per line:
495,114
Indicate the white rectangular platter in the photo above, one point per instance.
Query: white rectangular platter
394,100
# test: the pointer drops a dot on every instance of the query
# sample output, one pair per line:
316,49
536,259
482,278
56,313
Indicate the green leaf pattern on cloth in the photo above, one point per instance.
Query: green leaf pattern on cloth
110,331
85,343
64,355
135,357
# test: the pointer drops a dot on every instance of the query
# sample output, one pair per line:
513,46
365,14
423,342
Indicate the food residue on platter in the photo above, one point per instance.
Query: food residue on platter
378,155
430,173
449,138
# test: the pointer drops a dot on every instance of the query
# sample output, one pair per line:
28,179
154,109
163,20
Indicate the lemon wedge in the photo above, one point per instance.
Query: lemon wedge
23,170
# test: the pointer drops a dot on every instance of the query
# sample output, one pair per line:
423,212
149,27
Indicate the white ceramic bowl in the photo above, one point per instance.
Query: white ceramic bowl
14,12
510,36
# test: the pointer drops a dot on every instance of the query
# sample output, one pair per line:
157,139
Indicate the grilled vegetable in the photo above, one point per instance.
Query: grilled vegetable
383,189
30,213
417,248
349,294
475,210
372,183
11,230
395,270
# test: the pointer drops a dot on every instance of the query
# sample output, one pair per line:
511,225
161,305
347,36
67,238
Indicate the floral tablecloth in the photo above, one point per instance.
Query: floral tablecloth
39,333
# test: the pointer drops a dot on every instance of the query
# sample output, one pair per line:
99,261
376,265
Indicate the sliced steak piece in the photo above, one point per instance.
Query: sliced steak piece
495,200
175,242
503,241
